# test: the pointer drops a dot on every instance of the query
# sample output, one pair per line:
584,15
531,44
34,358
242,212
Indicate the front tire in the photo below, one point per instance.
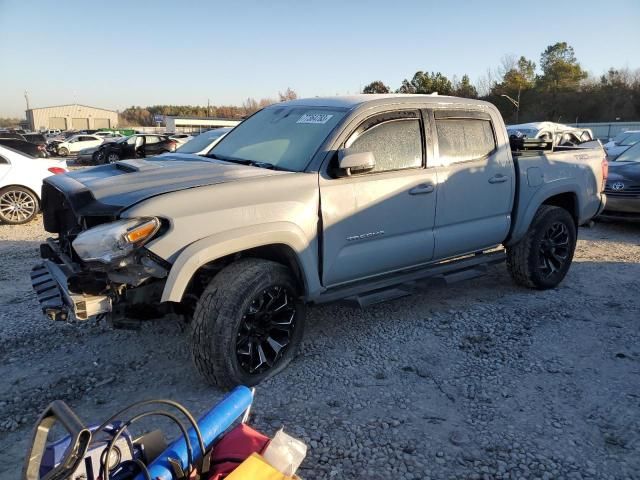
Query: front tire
542,258
18,205
98,158
63,152
247,324
112,157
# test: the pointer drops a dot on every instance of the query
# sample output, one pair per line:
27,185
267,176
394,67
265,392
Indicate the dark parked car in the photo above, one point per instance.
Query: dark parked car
37,138
136,146
15,135
37,151
623,186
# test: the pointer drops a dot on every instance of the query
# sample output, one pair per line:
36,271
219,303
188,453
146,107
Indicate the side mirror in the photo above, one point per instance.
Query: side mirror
355,162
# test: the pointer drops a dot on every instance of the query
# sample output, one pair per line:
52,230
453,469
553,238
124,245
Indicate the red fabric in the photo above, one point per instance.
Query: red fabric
234,448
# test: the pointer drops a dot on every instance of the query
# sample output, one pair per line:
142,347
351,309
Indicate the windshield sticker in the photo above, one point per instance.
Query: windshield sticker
317,118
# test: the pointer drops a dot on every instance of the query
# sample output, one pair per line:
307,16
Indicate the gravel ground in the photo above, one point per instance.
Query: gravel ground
478,380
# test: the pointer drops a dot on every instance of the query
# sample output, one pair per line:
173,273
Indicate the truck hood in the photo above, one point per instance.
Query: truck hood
114,187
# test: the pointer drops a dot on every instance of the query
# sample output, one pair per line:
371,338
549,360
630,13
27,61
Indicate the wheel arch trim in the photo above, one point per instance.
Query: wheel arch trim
542,196
212,248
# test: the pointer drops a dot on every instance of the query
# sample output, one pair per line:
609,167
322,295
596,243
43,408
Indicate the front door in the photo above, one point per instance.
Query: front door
381,220
475,183
139,147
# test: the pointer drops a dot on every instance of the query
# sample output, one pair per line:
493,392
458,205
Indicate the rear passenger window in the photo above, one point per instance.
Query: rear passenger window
152,139
395,144
463,139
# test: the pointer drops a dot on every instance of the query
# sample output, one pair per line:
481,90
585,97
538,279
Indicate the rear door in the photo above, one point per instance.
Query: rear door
381,220
152,145
475,182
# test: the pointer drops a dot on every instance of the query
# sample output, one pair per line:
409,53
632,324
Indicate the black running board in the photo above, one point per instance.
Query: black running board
406,282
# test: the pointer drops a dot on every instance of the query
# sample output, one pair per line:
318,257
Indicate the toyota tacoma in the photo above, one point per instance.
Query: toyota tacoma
359,199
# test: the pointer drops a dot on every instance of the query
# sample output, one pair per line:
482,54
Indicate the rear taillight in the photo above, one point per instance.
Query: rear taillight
56,170
605,171
173,145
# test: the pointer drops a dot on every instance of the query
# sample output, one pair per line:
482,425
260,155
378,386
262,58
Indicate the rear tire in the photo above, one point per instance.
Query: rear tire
542,258
247,323
18,205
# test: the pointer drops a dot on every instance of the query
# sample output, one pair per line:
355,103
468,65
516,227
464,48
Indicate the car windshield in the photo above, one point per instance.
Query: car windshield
630,140
630,155
202,141
286,137
619,137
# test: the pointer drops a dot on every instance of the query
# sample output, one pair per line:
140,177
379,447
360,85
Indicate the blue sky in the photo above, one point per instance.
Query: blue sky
115,53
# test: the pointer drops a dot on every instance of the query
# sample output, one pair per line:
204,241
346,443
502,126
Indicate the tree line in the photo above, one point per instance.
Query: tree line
558,89
143,116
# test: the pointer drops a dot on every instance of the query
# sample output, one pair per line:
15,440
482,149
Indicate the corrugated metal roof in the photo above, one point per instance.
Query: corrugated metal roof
72,105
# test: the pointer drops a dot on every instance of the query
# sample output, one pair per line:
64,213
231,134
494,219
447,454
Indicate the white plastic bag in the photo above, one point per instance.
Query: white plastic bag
285,453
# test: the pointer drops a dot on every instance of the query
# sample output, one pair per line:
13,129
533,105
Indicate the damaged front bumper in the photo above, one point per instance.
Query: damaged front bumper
51,284
70,291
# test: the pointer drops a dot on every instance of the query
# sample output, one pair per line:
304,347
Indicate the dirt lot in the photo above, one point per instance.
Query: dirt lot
479,380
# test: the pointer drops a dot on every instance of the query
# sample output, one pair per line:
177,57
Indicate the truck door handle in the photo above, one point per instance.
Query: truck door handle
422,189
498,178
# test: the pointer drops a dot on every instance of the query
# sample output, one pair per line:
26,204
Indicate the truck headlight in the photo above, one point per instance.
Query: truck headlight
113,241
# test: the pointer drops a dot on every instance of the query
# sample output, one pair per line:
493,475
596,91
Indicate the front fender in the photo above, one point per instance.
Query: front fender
237,240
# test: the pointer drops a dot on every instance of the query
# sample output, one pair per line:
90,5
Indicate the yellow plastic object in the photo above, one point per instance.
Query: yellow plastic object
256,468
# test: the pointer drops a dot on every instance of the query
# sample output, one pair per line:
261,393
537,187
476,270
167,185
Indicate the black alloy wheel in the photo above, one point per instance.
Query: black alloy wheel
266,329
554,249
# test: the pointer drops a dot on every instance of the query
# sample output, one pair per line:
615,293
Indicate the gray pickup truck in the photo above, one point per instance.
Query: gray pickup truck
359,199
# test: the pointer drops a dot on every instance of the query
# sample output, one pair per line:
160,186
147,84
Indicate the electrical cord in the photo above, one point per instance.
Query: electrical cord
104,462
171,403
140,464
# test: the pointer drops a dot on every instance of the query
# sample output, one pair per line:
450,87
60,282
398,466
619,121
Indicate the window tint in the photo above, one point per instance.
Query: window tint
152,139
464,139
395,144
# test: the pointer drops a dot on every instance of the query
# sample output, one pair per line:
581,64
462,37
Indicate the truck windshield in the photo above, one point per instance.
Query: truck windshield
282,136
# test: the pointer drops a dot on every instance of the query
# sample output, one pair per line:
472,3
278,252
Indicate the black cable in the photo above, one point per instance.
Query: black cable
171,403
141,466
104,462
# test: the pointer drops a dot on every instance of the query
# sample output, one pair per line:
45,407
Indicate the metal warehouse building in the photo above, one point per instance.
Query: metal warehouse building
196,124
71,117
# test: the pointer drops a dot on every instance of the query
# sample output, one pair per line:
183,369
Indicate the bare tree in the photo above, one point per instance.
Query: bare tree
250,105
288,94
487,82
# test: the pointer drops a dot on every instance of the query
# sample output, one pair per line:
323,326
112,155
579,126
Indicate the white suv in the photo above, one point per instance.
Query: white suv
77,143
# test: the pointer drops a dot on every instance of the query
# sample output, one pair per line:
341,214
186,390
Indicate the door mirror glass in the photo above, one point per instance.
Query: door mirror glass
350,162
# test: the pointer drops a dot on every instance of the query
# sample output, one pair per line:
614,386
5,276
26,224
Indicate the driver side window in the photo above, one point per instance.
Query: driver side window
396,143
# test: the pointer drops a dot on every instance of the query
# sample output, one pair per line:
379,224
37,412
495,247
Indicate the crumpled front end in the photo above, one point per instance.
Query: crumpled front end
70,287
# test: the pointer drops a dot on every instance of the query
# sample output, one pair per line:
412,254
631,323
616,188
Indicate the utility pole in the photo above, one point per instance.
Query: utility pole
26,97
208,107
516,103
